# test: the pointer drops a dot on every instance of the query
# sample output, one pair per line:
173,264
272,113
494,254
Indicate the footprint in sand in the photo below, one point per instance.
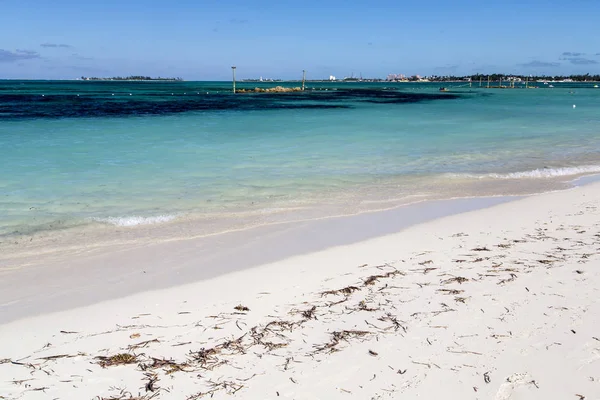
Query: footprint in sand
513,382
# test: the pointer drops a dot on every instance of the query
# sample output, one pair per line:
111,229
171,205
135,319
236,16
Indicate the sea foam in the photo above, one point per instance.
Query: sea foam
135,220
536,173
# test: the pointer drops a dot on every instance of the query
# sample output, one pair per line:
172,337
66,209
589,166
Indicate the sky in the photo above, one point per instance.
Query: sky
202,39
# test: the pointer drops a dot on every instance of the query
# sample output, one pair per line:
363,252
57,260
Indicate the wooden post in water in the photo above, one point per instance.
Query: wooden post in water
303,78
500,81
488,82
480,78
233,70
526,82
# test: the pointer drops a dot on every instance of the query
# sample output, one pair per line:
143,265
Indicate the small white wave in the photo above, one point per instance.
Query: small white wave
536,173
135,220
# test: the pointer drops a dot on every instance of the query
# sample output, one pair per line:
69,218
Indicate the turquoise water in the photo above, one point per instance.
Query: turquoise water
80,154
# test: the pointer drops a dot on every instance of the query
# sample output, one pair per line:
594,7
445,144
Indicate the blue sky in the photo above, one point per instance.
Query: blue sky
57,39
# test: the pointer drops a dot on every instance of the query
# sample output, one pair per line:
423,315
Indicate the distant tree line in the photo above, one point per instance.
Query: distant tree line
497,77
130,78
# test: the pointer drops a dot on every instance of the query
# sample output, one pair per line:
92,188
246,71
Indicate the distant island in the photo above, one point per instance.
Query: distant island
513,77
261,80
131,78
495,77
445,78
476,78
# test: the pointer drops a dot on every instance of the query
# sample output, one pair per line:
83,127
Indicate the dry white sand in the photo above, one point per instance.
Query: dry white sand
501,303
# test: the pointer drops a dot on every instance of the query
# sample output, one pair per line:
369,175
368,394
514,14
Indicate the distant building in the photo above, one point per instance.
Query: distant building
331,78
396,77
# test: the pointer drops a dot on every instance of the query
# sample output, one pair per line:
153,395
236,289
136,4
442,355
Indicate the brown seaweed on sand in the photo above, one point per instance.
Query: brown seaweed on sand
450,291
125,395
347,291
169,366
371,280
309,314
458,279
207,358
480,249
395,323
117,359
338,336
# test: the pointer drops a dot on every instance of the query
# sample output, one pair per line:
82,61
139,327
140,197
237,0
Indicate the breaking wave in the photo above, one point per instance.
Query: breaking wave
537,173
135,220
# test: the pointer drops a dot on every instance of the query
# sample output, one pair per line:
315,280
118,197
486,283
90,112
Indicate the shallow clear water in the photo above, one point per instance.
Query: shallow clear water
80,154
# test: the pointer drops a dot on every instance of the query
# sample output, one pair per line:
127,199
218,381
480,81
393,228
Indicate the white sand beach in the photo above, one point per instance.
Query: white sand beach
499,303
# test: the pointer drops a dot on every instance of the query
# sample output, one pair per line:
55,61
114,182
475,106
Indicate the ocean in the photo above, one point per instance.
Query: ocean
116,161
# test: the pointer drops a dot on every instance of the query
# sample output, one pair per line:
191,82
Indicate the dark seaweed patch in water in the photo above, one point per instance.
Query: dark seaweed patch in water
67,106
25,106
387,97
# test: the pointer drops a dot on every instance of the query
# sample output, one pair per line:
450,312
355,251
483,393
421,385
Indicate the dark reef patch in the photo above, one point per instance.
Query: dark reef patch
102,103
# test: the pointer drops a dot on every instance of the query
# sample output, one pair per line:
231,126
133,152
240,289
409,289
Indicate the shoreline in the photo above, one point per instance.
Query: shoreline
475,305
17,249
219,254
